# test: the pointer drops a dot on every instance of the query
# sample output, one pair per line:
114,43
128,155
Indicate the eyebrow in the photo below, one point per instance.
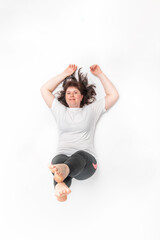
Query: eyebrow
73,91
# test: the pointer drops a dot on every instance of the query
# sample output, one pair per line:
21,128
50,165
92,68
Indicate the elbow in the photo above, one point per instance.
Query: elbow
42,88
116,97
117,94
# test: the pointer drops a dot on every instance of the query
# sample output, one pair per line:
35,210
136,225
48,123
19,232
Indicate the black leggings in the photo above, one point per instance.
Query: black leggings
82,165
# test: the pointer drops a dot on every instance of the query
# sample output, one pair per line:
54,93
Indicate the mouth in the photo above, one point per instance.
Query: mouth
71,99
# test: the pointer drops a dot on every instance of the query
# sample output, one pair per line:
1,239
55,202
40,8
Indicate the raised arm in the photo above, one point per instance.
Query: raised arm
112,94
51,85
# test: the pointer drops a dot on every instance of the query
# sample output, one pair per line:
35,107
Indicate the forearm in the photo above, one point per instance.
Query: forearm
52,84
108,86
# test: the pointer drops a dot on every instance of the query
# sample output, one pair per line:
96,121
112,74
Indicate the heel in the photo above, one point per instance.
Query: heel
62,199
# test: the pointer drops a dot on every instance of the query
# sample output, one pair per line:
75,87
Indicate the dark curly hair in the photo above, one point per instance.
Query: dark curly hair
86,90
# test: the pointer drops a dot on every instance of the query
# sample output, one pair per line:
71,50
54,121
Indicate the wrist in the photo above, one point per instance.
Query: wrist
100,74
64,75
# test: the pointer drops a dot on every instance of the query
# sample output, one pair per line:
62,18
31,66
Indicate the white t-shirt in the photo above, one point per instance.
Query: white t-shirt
77,126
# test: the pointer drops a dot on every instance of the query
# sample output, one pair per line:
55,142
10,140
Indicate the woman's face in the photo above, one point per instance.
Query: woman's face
73,97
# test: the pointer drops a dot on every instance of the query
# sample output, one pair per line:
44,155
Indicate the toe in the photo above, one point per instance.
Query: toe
69,190
57,194
52,167
55,170
64,190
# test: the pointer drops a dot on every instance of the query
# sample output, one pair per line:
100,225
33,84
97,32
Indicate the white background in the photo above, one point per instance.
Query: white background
38,40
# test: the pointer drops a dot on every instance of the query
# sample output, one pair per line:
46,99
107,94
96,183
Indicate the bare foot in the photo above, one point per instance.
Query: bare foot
60,171
61,191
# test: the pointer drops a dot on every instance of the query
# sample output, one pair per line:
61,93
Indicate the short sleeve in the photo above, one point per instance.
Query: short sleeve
57,109
98,108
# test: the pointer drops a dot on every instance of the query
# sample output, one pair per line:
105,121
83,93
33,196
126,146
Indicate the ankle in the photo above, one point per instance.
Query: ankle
68,168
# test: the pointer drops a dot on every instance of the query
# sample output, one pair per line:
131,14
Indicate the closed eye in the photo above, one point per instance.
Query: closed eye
75,92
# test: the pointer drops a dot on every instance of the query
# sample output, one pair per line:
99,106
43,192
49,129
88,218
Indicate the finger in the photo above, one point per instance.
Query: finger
93,66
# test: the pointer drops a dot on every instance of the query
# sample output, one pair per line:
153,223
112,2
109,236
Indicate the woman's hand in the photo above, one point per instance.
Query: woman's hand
70,69
95,69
